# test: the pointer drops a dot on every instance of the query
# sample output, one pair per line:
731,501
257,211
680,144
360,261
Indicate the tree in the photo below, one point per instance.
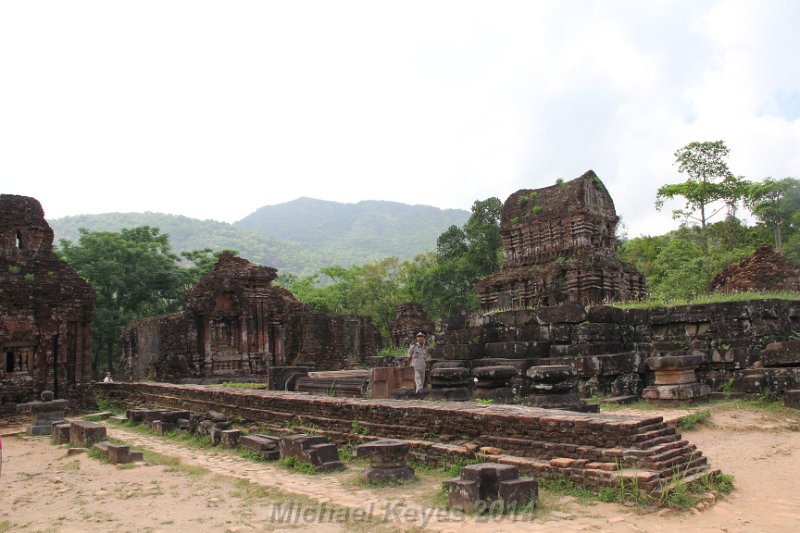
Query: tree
709,181
768,202
445,281
134,273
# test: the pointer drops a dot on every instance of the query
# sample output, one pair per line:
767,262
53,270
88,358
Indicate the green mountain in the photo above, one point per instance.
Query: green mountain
314,235
370,229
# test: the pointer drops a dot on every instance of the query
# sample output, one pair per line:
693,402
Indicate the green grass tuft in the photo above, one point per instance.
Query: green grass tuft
693,420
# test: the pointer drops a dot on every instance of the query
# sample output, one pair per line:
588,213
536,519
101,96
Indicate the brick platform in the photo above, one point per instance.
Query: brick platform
592,450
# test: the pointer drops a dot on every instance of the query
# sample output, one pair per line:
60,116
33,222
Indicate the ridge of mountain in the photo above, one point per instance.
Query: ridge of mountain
377,230
383,227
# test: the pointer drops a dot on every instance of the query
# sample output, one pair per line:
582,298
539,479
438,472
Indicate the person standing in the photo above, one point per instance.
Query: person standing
417,358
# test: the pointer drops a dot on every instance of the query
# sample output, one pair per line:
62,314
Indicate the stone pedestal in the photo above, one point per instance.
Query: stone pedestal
492,486
494,383
43,413
676,380
554,387
387,460
452,383
317,451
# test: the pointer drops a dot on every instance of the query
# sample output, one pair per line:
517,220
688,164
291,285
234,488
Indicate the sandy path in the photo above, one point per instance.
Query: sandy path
762,451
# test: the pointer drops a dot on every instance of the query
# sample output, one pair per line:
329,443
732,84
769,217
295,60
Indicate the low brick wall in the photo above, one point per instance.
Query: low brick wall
589,449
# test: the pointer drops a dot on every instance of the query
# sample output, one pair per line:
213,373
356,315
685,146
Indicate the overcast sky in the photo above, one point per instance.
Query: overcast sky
213,109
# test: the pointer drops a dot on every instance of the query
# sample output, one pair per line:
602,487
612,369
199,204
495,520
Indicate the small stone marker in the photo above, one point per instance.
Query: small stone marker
485,485
387,460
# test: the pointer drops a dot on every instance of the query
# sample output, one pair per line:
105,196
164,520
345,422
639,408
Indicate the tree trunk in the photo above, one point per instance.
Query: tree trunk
110,354
778,239
703,241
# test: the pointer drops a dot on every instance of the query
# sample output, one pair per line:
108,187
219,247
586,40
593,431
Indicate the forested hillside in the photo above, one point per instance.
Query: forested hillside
298,237
375,228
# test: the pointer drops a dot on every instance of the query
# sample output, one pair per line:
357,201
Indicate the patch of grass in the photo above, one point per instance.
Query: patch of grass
693,420
393,352
357,429
252,455
292,463
105,405
721,483
712,298
72,466
566,487
237,385
442,498
173,464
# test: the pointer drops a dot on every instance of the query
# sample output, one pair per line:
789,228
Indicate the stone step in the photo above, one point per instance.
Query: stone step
679,459
669,485
656,441
699,463
677,451
647,435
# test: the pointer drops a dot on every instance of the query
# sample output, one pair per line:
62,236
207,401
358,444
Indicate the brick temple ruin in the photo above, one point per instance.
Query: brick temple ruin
559,246
765,270
410,319
236,325
45,311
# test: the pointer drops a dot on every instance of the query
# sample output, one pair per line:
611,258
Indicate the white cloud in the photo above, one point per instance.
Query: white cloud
212,110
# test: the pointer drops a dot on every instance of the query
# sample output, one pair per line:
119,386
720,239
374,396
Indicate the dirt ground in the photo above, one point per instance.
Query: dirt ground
190,489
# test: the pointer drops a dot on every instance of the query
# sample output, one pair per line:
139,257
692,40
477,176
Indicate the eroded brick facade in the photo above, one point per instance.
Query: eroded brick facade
410,318
559,246
237,324
765,270
45,310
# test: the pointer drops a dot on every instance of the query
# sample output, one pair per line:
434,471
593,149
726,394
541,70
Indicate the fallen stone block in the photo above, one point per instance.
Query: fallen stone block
84,434
162,428
486,485
317,451
791,398
265,445
781,354
60,433
229,438
118,453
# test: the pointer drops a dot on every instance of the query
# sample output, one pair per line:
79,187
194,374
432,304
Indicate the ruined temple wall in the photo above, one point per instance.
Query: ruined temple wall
46,310
608,346
335,342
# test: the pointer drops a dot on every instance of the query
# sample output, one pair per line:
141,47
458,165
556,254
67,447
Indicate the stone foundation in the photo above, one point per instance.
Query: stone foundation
608,346
591,450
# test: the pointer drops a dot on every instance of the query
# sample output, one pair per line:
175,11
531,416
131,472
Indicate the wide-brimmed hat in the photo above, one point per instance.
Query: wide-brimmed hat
420,334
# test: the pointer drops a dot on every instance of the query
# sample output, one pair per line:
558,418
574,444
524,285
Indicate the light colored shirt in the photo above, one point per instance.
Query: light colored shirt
418,355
